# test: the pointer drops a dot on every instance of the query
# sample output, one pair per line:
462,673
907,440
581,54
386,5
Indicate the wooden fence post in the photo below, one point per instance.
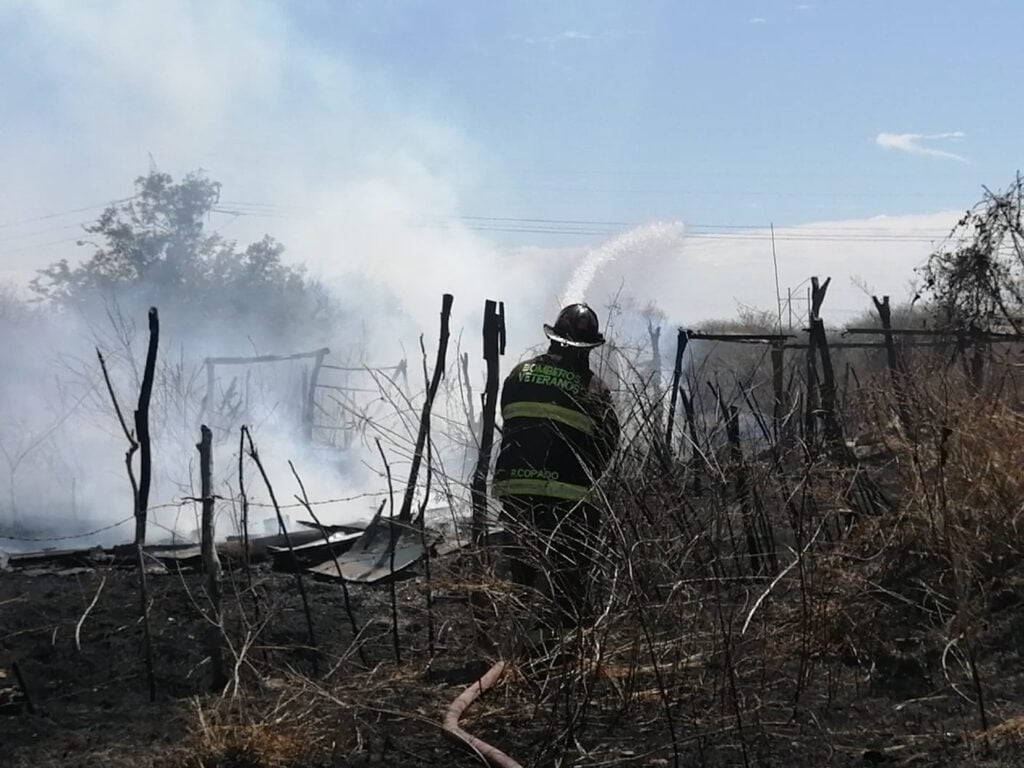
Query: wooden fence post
827,386
658,394
817,298
811,395
211,565
494,347
778,390
405,513
677,372
885,316
896,370
145,481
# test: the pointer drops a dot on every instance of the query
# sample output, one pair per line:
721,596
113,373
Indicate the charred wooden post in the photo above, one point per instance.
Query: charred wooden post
244,501
246,548
494,347
677,372
779,404
428,587
885,317
145,481
827,385
657,394
811,395
892,360
405,513
817,298
211,564
818,291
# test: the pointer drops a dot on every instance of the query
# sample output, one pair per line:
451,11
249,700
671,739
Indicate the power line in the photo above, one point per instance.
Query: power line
39,245
594,227
683,192
39,232
59,214
572,227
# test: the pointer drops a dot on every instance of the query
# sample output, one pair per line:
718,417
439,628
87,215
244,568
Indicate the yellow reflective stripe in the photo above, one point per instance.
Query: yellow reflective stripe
551,488
567,416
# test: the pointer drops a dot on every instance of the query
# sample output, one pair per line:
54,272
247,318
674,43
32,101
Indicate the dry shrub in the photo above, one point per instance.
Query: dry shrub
963,498
911,594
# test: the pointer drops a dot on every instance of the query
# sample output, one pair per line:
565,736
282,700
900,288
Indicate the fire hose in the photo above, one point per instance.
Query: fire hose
493,756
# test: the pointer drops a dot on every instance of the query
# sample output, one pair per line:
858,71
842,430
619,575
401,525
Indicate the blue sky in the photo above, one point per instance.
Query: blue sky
368,136
712,111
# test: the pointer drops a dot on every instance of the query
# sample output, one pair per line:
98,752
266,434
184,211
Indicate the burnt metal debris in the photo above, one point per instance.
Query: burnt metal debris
362,555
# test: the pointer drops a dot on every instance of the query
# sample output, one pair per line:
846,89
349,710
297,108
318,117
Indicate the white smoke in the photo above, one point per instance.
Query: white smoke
358,176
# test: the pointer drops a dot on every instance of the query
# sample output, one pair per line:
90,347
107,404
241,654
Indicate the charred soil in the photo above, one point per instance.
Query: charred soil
867,680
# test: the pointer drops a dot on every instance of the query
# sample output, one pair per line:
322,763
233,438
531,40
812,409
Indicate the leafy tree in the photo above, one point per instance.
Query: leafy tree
976,280
154,249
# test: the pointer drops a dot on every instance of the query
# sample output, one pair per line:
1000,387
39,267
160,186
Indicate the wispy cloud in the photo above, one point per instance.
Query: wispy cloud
917,144
758,20
566,35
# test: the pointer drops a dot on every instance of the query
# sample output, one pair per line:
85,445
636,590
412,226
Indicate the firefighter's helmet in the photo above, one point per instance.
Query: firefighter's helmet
576,326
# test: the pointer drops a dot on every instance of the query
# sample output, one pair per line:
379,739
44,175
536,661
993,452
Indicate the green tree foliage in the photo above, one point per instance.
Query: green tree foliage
976,280
155,249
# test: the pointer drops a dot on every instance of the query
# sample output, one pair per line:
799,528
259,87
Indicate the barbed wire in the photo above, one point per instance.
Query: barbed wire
186,500
192,500
68,538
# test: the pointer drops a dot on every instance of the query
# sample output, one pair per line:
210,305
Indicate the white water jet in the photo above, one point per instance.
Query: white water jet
657,235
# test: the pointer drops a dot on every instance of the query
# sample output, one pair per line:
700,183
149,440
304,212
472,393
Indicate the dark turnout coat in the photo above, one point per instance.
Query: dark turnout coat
560,430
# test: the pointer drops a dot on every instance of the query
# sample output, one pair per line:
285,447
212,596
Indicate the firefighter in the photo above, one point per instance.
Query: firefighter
559,433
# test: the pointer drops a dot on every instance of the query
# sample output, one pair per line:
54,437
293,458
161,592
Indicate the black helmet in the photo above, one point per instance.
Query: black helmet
576,326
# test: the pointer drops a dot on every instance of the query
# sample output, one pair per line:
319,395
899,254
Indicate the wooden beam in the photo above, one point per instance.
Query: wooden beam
265,358
763,338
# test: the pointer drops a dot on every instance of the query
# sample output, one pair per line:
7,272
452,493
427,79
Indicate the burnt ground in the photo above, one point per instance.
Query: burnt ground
299,708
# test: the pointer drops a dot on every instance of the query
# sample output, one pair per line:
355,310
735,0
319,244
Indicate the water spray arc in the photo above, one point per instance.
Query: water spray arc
634,242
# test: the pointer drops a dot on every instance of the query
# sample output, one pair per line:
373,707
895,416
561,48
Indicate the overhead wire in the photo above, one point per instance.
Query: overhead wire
572,227
40,232
596,227
69,212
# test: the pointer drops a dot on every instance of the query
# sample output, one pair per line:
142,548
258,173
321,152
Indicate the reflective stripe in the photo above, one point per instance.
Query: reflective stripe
551,488
551,412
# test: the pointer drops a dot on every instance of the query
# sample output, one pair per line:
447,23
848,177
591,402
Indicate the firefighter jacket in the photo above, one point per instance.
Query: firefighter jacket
559,432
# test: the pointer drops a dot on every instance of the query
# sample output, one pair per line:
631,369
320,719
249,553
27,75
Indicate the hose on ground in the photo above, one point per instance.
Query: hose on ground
493,756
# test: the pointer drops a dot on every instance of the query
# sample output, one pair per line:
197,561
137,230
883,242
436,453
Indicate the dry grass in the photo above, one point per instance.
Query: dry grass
779,618
226,734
